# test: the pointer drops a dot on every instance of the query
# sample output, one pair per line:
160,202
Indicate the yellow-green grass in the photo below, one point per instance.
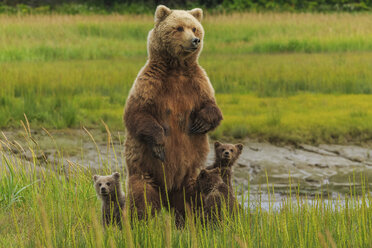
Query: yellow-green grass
118,35
295,119
67,71
49,209
255,101
34,38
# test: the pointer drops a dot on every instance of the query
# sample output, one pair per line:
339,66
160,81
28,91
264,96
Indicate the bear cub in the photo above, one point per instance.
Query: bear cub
225,158
214,192
108,188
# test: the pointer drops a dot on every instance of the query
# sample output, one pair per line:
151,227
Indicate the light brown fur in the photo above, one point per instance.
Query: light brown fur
225,157
169,111
214,192
108,188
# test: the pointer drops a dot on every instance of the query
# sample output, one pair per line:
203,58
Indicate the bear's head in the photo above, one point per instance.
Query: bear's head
207,180
227,154
107,185
177,34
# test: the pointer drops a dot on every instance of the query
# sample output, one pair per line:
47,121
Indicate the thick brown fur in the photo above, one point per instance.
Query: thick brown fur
225,157
214,192
169,111
108,188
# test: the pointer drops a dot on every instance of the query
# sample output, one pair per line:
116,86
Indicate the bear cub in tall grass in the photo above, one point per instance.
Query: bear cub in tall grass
225,158
108,188
215,193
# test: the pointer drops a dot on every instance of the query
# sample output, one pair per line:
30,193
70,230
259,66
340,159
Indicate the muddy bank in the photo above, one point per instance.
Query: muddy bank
324,168
308,169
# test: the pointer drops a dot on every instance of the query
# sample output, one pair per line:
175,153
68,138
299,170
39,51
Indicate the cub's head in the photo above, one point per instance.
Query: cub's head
177,33
107,185
227,154
208,180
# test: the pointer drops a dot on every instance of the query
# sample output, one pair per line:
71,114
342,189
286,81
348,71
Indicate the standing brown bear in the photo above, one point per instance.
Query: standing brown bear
169,111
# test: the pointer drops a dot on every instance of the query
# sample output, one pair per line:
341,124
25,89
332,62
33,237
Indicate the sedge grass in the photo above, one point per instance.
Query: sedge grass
304,81
49,208
276,104
51,37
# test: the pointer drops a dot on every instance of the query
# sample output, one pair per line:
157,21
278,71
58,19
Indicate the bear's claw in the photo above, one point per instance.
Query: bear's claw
199,126
158,152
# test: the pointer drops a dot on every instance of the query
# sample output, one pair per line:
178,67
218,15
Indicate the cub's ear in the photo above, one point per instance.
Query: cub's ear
217,144
116,175
239,147
161,13
203,172
197,13
95,178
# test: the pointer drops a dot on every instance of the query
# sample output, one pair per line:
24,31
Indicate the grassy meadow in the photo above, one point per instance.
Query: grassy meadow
277,76
54,205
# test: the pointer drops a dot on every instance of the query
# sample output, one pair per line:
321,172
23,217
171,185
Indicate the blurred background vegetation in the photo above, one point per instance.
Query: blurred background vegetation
292,77
146,6
280,73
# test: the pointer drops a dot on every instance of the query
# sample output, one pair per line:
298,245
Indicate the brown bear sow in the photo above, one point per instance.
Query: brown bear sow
169,111
108,188
225,157
214,192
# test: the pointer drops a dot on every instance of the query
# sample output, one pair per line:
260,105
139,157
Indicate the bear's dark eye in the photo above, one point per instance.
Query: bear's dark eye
180,29
100,184
231,150
108,184
194,30
223,150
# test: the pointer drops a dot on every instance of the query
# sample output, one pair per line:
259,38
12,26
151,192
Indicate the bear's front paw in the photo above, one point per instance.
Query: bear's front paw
200,126
158,152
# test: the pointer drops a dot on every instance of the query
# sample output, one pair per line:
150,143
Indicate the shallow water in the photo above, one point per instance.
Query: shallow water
263,168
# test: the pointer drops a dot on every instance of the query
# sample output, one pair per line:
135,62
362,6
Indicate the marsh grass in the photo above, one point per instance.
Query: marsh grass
72,71
258,102
51,37
53,208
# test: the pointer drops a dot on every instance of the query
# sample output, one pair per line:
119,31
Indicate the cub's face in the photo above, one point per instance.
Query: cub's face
227,152
208,179
179,32
106,185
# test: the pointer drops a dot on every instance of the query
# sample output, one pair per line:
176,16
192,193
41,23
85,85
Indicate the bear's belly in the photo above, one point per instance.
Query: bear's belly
184,153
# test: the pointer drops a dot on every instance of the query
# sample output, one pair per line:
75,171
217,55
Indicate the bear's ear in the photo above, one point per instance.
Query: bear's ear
116,175
95,178
203,172
197,13
239,147
161,13
217,144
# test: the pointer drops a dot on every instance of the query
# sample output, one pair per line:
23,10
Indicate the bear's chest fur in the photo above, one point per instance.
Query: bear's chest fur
178,99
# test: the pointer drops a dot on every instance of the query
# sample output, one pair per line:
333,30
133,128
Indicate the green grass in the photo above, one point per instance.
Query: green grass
58,37
48,206
302,118
71,71
74,93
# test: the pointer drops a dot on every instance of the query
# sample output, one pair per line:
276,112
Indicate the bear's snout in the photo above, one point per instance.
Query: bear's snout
195,42
226,154
103,190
